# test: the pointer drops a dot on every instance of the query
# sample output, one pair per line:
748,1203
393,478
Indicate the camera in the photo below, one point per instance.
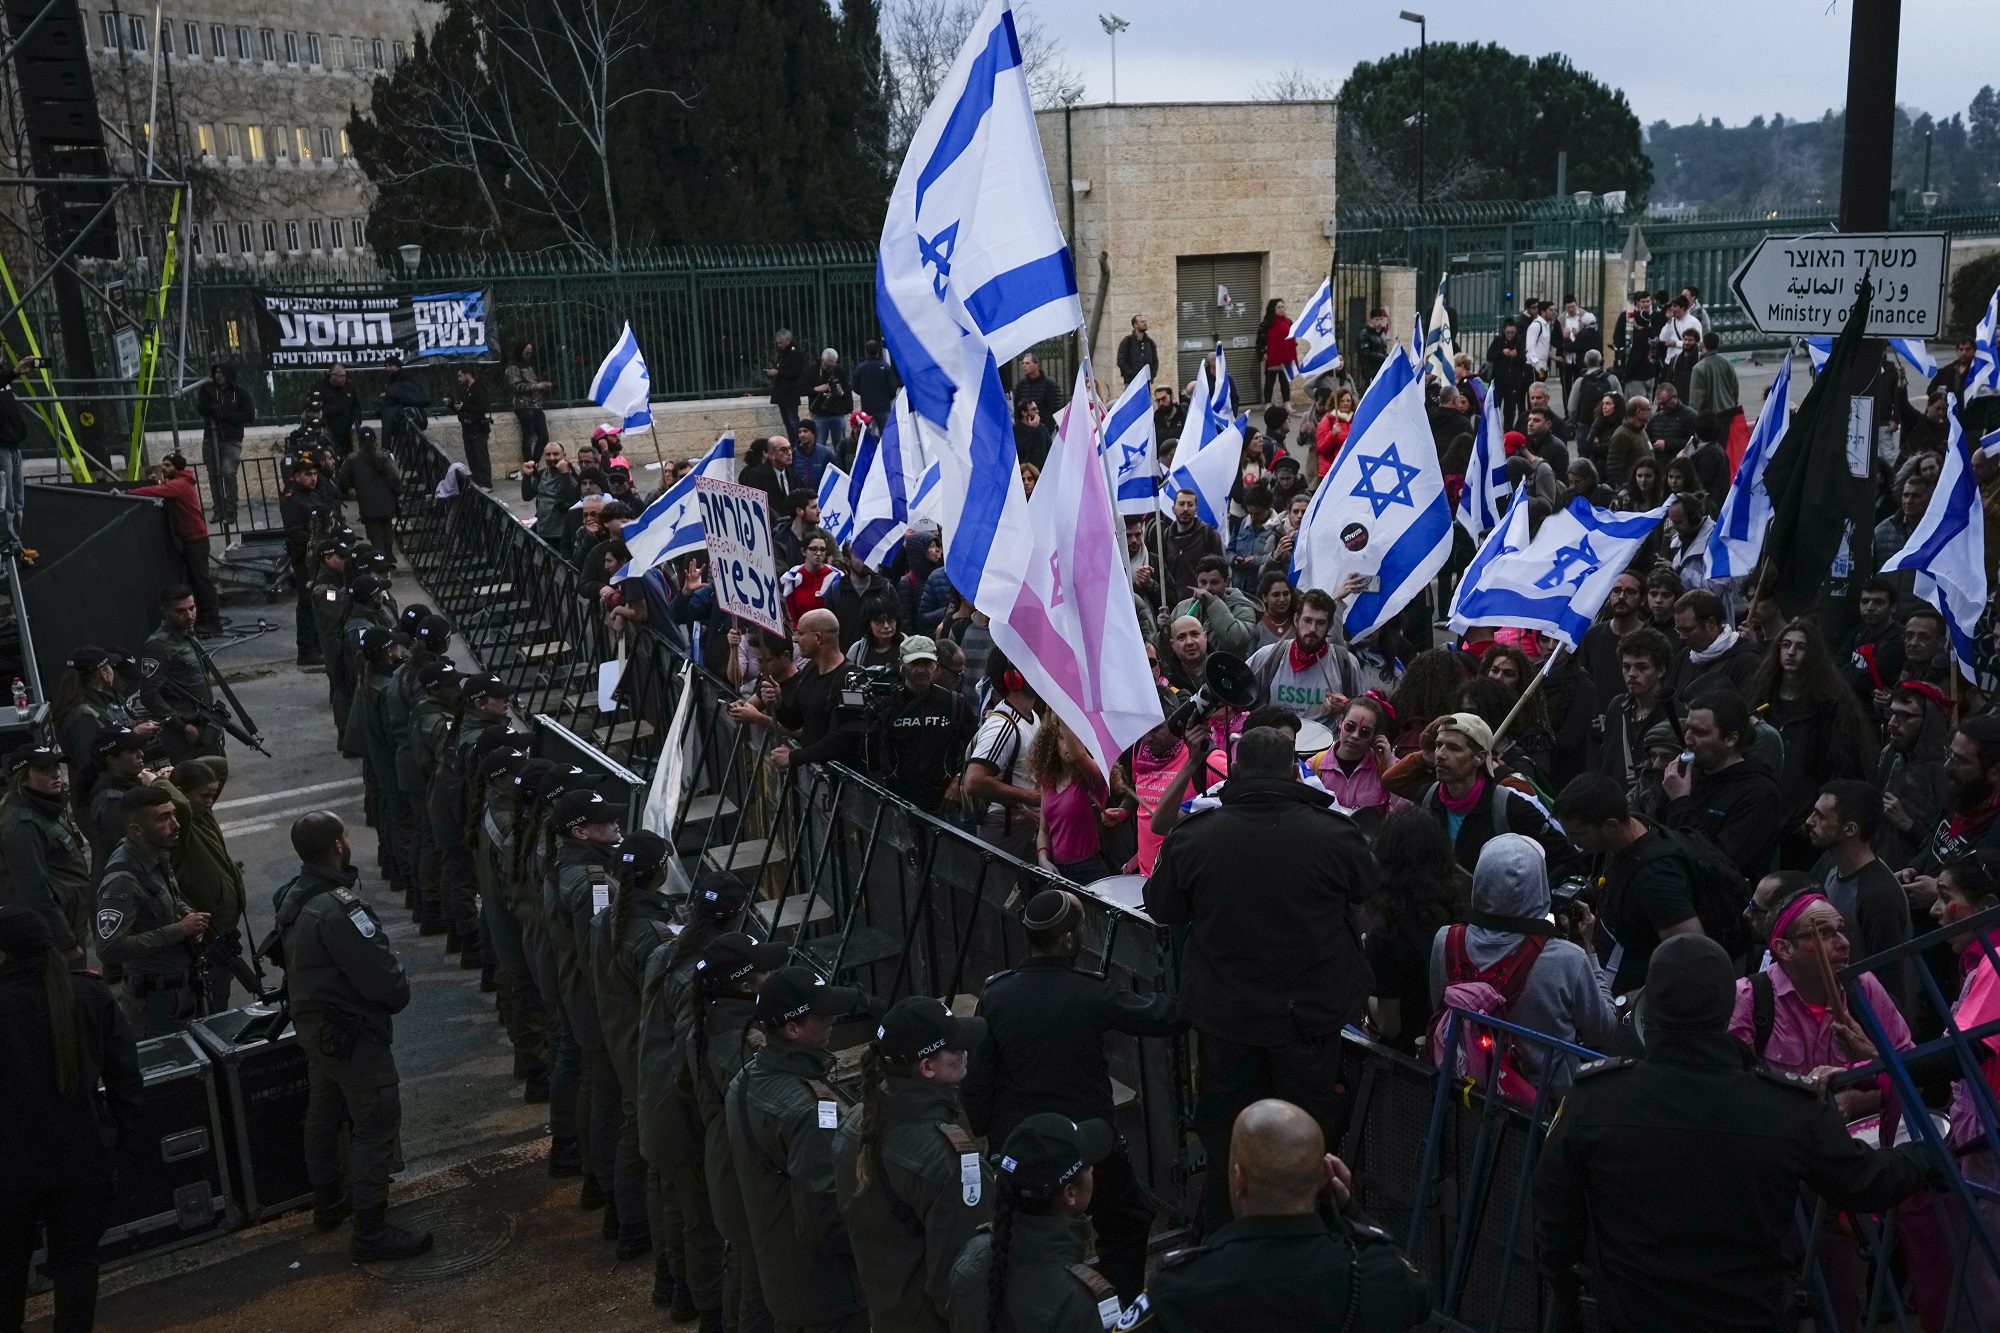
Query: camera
1564,898
865,696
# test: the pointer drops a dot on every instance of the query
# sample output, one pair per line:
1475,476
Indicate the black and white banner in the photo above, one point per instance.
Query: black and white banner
300,332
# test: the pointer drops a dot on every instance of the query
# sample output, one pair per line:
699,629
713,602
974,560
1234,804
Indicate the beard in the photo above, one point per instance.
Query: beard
1966,796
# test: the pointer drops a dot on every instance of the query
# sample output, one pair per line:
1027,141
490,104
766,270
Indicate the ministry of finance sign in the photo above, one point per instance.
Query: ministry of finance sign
300,332
1806,284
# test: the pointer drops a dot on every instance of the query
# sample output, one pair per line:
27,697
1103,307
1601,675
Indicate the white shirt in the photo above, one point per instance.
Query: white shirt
1002,743
1538,342
1671,331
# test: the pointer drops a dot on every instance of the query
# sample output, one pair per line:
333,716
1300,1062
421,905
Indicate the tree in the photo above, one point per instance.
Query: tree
598,126
1493,124
925,37
1294,85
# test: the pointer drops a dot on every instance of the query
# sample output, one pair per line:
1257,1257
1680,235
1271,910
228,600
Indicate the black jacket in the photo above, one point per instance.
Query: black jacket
1134,351
1633,1166
1737,809
339,409
1272,956
1485,823
1736,665
1044,1047
791,381
778,483
375,483
62,1138
226,408
13,421
1043,391
875,385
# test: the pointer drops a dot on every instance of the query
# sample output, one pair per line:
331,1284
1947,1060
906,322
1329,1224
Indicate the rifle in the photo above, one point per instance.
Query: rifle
214,715
229,695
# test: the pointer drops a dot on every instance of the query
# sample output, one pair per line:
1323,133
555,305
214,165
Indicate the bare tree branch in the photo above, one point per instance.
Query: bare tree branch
922,37
1295,85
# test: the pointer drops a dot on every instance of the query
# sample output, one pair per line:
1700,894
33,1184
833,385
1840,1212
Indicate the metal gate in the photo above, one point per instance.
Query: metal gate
1220,298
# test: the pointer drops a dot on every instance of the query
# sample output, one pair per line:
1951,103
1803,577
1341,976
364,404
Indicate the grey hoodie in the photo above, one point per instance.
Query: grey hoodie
1568,995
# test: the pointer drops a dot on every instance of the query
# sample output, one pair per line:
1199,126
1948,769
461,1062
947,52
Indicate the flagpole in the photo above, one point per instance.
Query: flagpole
662,462
1522,702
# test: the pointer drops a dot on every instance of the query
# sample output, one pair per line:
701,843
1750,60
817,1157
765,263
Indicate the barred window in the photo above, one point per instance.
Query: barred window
313,54
232,141
291,48
194,241
204,140
218,41
267,42
326,143
401,52
314,229
256,136
222,238
377,52
334,227
191,39
139,26
110,31
243,44
270,238
303,142
360,229
292,237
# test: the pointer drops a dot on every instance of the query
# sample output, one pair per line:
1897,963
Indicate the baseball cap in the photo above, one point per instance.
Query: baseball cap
114,740
413,617
485,686
721,894
374,638
35,756
559,779
1046,1150
437,672
573,809
528,776
1471,726
365,584
794,992
501,761
641,853
920,1025
435,631
919,648
89,657
735,956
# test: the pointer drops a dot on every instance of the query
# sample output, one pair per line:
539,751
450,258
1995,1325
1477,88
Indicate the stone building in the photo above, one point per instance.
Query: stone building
254,99
1193,214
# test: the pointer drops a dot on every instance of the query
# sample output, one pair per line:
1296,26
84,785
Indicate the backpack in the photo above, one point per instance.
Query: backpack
1491,992
1719,890
972,812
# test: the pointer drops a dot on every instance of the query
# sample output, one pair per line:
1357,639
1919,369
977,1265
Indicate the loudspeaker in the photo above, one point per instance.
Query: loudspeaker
65,134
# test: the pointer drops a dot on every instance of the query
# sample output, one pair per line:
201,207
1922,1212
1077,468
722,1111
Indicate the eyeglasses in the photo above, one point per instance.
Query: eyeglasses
1823,934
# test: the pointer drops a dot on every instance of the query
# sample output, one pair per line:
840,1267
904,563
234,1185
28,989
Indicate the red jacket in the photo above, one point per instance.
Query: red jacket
183,506
1280,348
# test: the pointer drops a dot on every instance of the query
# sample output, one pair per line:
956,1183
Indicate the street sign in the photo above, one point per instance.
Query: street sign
1806,284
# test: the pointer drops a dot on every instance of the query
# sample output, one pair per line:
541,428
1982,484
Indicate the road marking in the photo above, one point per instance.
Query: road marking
258,823
240,801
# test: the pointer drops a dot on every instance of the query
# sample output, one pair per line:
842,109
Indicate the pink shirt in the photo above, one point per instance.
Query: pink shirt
1801,1040
1150,780
1071,816
1361,788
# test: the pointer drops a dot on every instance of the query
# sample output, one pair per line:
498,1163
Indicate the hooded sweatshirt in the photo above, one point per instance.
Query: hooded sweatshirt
1568,995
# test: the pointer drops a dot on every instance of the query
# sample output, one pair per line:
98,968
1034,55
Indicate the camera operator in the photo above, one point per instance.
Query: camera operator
1644,893
806,704
926,730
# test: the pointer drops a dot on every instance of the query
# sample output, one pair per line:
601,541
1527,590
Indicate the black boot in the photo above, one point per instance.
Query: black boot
375,1237
663,1281
488,983
331,1206
590,1198
536,1090
565,1159
609,1230
452,943
682,1310
711,1322
634,1241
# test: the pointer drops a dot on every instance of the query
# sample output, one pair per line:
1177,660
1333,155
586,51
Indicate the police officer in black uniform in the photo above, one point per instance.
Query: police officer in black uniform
1298,1255
1044,1051
146,934
482,707
47,855
303,502
910,1181
345,984
119,756
1026,1271
1672,1179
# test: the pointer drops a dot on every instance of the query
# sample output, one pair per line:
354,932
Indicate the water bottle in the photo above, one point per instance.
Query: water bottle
20,700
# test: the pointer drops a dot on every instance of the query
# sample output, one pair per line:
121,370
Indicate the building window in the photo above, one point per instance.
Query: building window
334,227
326,143
244,245
191,39
221,239
317,233
166,37
401,51
314,56
194,241
138,26
359,59
303,142
270,238
110,31
138,242
256,136
377,52
281,142
267,42
292,237
232,141
204,140
218,41
291,48
346,148
243,44
360,233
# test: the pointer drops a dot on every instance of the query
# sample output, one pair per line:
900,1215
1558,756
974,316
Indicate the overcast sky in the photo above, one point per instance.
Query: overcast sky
1729,58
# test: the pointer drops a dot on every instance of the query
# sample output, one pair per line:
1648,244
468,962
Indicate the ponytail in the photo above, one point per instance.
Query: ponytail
60,989
872,1121
621,908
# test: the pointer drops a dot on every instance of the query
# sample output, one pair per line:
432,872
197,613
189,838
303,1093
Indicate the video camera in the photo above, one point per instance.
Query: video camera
1230,684
865,696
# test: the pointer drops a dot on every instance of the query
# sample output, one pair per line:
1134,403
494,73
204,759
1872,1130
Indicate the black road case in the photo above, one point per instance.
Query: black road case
172,1182
261,1086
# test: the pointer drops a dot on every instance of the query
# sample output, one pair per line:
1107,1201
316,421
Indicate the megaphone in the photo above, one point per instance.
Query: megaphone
1230,683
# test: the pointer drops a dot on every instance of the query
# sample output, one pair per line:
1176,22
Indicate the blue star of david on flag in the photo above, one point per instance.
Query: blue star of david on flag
1397,494
1579,555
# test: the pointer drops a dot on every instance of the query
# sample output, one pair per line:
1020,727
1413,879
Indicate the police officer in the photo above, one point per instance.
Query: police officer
365,608
173,666
521,1006
482,706
782,1116
1641,1150
381,651
429,725
910,1181
1038,1237
1297,1252
120,759
145,932
303,503
622,938
88,700
586,828
1044,1051
345,984
329,608
399,702
47,857
535,895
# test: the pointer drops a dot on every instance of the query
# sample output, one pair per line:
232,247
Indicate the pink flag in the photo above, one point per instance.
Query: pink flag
1072,630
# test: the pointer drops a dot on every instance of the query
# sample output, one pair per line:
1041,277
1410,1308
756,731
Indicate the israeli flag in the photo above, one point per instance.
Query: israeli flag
671,525
1912,350
888,462
1382,511
1737,540
924,504
1556,581
1209,473
1221,399
1438,350
622,383
1131,453
1315,328
1983,376
1484,498
973,270
836,515
1948,548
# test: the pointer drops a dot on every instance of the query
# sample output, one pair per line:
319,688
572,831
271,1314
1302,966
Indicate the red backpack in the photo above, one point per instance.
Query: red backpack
1492,993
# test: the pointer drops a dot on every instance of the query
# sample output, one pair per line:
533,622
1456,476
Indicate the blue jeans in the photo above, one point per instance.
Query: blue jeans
224,457
831,432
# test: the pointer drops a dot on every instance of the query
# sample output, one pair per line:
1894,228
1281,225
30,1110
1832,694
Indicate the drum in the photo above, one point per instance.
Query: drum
1127,891
1314,737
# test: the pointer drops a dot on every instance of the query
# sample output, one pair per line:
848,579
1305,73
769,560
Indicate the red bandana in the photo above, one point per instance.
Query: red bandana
1300,661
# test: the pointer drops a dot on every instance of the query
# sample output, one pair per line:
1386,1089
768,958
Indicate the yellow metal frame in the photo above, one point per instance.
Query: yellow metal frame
68,448
149,350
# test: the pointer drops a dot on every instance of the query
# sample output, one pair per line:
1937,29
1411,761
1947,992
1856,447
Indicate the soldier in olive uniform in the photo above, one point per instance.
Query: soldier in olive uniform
622,938
782,1116
688,1281
430,723
1642,1151
526,1017
1297,1250
535,849
482,706
173,666
328,606
586,828
911,1184
398,705
367,607
47,857
1040,1233
120,759
145,932
345,985
381,652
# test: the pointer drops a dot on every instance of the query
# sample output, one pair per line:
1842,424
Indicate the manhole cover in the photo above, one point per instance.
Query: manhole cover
460,1242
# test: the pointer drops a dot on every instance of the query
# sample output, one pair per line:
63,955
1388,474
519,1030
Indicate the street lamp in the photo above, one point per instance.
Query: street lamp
413,255
1929,196
1423,45
1113,25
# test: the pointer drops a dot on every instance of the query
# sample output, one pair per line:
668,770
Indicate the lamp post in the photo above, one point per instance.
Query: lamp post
413,255
1423,45
1113,25
1929,196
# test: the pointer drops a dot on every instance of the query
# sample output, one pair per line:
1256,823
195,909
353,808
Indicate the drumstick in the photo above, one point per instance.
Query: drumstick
1835,999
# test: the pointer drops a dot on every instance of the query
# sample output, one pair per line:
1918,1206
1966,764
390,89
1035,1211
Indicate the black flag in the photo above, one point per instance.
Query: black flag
1813,493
